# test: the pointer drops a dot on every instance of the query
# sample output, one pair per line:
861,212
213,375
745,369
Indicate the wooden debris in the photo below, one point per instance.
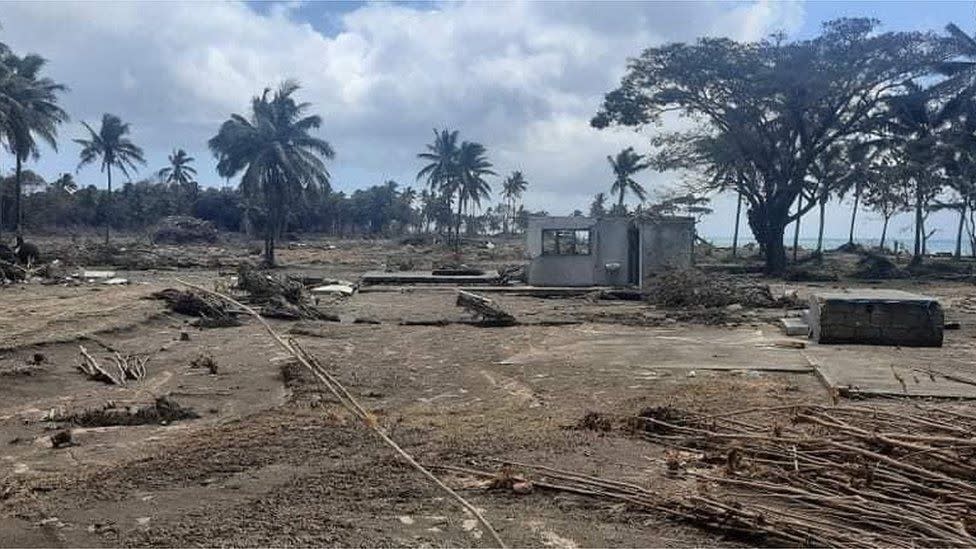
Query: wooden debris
125,367
489,312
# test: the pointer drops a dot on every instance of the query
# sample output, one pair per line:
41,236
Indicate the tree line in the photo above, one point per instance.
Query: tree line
284,183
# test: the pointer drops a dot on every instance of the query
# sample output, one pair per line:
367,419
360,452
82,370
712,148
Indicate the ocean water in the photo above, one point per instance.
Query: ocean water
935,245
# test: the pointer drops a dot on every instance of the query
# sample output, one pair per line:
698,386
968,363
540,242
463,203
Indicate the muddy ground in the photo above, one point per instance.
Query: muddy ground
272,459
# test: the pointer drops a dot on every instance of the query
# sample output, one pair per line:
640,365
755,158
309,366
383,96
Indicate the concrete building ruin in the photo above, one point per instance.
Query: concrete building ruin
608,251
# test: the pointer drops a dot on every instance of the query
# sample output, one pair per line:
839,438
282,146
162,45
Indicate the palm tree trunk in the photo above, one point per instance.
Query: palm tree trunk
108,205
796,228
918,224
884,231
823,207
18,212
457,228
735,231
857,200
962,221
620,202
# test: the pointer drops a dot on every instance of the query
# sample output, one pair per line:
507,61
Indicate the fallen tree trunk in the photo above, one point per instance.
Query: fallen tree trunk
488,310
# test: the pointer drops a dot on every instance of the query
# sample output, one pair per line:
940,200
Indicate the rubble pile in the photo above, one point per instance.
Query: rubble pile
181,229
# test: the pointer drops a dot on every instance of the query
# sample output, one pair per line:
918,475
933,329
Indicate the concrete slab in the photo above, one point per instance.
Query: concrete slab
853,372
705,348
425,277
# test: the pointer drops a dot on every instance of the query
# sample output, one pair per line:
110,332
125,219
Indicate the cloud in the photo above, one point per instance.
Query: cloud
522,77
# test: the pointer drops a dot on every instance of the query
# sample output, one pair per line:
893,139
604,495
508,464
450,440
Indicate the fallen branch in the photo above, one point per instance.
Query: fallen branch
351,404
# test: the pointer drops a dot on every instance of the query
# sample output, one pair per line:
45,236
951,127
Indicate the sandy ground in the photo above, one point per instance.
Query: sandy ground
273,460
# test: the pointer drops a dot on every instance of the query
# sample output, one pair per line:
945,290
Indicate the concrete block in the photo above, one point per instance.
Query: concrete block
876,317
794,326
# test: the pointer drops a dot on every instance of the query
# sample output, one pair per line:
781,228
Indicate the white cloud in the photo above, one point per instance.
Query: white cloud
522,77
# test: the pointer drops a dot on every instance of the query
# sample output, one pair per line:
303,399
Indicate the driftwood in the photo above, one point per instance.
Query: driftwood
348,401
125,367
489,312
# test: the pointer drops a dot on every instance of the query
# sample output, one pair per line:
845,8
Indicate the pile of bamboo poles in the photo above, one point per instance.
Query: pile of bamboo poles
837,475
803,474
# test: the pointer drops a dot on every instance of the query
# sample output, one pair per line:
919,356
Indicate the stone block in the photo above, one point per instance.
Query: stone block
876,317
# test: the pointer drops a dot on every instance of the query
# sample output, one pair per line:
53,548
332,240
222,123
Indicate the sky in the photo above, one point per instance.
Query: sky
523,78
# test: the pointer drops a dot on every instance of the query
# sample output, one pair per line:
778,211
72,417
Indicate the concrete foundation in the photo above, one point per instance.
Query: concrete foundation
876,317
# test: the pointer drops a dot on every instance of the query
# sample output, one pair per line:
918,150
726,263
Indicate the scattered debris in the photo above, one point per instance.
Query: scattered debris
489,312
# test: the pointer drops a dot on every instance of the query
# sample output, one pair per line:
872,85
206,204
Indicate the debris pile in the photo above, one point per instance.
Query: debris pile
160,412
181,229
875,266
695,289
278,297
212,313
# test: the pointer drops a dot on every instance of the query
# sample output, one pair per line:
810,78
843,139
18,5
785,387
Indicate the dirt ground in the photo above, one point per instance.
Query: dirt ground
274,460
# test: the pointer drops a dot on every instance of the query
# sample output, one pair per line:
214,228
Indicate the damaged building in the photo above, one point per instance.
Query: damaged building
606,251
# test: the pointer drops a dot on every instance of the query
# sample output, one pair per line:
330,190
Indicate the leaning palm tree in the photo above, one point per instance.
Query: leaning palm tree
624,166
30,114
472,167
179,172
113,149
276,154
512,190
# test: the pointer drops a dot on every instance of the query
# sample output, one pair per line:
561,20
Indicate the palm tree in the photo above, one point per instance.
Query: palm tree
179,172
624,166
912,135
111,146
30,113
276,154
472,167
512,190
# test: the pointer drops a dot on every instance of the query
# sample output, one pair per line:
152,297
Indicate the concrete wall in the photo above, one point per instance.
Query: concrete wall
666,243
560,270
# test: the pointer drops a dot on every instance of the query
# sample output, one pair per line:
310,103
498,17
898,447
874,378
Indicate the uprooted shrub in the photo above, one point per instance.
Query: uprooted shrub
211,311
161,411
695,289
278,297
180,229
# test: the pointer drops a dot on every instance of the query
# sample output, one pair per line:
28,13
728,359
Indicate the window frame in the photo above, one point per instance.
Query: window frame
575,240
